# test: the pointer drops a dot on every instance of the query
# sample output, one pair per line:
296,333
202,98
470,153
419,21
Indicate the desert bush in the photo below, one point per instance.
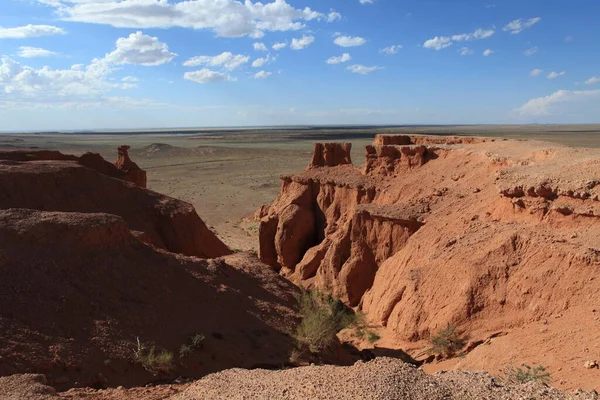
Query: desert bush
526,374
372,337
195,342
321,318
153,360
447,341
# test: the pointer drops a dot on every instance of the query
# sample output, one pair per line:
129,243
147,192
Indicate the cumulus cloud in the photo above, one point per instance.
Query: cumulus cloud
361,69
349,41
27,31
226,60
279,45
366,1
593,80
302,43
551,105
391,50
333,16
262,75
227,18
259,62
536,72
488,52
140,49
554,75
260,47
518,25
34,52
465,51
531,51
341,59
441,42
206,75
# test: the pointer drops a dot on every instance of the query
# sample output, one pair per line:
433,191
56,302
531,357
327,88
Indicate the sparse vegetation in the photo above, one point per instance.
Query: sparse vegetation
153,360
447,342
322,317
526,374
362,328
372,337
195,343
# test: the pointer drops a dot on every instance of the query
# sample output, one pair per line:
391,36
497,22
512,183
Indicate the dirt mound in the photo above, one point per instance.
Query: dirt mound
26,387
74,186
491,236
79,291
383,378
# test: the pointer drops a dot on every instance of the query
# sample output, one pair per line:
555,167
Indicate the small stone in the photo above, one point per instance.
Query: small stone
591,364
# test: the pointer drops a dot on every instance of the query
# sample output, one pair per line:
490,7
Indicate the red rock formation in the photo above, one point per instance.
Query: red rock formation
133,173
70,186
487,235
331,155
392,140
78,290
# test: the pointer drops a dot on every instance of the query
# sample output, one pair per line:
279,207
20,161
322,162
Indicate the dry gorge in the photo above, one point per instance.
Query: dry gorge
496,240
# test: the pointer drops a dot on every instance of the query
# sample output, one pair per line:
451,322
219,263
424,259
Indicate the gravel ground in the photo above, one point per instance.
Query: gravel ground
383,378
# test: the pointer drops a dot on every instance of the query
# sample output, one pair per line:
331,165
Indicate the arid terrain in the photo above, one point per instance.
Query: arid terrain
491,232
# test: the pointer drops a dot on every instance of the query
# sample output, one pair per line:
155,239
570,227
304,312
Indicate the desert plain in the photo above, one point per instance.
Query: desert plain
385,227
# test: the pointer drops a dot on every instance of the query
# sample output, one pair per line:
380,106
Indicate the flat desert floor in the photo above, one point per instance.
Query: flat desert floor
228,173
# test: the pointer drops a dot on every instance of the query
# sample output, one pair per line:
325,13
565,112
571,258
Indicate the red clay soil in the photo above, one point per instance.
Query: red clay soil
501,238
79,289
52,181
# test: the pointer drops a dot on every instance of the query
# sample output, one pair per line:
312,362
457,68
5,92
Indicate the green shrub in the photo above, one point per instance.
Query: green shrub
153,360
195,343
321,318
372,337
527,374
447,342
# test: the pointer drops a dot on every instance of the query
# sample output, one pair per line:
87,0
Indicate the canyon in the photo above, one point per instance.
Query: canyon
496,237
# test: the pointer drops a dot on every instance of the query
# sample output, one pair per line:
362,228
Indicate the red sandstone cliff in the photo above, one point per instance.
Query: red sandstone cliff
489,235
51,181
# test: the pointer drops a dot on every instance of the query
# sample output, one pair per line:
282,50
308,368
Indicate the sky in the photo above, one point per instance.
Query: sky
110,64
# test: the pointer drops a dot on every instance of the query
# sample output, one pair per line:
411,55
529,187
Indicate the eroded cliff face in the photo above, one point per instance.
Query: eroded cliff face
485,234
51,181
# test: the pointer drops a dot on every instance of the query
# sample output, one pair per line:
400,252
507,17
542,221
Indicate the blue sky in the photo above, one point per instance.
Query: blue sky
90,64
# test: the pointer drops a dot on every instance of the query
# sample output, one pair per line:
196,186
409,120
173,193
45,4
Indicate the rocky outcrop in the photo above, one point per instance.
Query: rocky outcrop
331,155
487,235
86,185
132,173
79,290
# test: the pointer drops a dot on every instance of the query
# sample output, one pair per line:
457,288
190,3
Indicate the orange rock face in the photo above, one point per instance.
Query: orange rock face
133,173
331,155
488,235
55,182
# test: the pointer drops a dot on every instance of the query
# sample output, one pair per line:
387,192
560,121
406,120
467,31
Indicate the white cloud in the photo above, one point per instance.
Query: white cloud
549,105
279,45
341,59
140,49
33,52
593,80
206,75
302,43
333,16
391,50
536,72
130,79
465,51
259,62
349,41
366,1
488,52
260,47
438,43
27,31
531,51
441,42
262,75
227,18
361,69
226,59
554,75
518,25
